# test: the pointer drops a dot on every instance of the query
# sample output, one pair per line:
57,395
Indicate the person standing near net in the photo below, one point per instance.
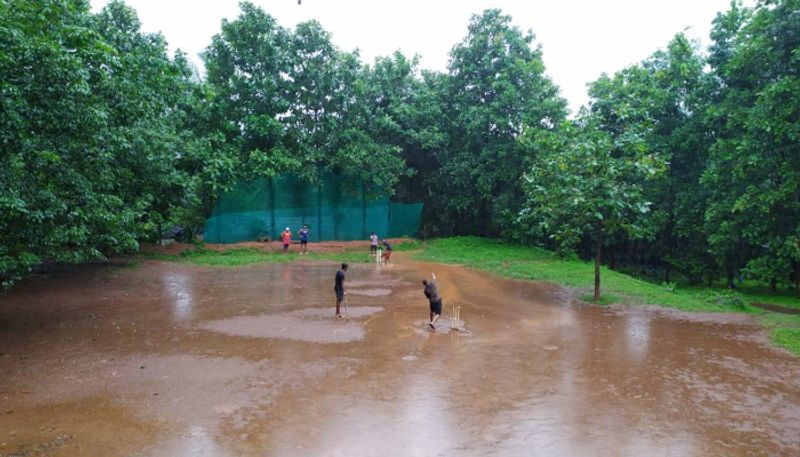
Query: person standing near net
373,244
304,240
286,237
435,300
387,251
338,288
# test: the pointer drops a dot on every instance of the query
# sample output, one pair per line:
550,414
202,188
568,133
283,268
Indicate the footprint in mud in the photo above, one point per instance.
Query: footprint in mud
313,325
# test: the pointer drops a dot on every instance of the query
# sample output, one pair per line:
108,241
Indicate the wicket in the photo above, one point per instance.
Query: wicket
456,319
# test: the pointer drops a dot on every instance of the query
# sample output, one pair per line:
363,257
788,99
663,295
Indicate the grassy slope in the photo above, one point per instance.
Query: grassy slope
532,263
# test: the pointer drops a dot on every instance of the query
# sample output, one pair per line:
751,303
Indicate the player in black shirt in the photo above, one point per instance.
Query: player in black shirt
338,287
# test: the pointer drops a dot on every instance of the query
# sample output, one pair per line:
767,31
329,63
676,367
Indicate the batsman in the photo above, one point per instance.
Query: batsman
432,293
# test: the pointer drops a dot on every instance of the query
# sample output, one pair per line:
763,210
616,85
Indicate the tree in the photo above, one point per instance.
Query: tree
496,86
291,102
665,97
753,175
586,181
89,134
247,66
406,112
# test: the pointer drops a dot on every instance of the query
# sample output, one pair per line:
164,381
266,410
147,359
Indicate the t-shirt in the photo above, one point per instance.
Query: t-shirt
339,280
387,246
431,292
287,237
304,234
374,239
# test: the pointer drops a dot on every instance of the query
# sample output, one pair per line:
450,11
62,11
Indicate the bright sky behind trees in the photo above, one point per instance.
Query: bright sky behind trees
580,38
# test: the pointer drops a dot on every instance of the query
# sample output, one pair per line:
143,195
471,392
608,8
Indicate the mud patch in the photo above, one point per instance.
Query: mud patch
370,292
312,325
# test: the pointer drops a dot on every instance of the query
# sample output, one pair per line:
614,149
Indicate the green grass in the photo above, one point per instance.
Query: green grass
788,338
755,291
518,262
785,330
407,244
248,256
605,299
233,257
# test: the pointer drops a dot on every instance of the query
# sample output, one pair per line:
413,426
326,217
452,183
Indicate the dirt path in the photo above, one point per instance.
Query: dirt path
176,360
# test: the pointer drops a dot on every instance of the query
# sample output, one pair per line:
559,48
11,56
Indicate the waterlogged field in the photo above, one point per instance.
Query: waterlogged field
176,359
538,264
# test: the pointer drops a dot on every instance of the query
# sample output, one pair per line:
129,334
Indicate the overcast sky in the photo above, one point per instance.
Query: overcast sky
580,38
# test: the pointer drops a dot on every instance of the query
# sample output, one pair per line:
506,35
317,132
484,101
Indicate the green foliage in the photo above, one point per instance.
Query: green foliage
685,162
407,244
753,174
661,97
586,181
291,102
90,133
495,86
788,338
521,262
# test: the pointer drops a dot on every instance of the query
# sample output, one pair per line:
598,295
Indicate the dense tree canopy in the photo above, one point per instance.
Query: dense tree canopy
495,86
685,164
90,133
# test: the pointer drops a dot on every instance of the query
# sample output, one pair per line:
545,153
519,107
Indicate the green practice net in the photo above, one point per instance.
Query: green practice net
263,208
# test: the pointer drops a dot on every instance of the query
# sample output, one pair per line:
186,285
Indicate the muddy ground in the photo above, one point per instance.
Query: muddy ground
175,360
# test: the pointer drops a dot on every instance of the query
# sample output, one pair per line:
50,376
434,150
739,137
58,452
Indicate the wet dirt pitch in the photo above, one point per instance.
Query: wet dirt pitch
176,360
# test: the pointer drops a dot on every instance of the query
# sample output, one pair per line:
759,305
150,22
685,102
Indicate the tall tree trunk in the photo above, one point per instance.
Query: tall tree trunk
666,273
773,285
597,259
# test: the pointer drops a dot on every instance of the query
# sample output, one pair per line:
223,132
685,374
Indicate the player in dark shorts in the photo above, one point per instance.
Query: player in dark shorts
304,240
338,287
434,298
387,251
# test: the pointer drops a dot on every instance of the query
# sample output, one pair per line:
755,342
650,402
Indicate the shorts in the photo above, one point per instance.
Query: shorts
436,307
373,248
303,242
339,294
285,246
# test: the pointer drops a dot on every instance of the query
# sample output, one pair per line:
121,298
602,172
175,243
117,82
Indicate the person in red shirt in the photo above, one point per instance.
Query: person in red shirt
286,236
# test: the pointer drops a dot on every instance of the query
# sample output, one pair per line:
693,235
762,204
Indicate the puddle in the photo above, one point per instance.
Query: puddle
313,325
